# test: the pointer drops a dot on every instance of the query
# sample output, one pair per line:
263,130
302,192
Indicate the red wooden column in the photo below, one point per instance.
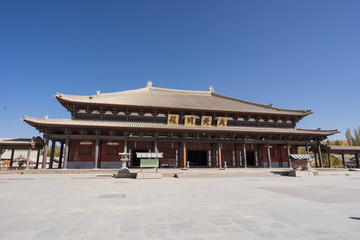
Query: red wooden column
37,159
288,154
12,157
307,148
238,156
259,162
156,146
46,147
184,156
52,154
66,153
127,164
220,162
268,154
214,155
244,155
357,160
279,155
329,157
28,159
61,154
96,158
320,156
125,146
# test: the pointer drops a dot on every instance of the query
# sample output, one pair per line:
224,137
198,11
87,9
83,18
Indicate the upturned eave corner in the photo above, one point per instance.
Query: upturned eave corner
57,95
308,112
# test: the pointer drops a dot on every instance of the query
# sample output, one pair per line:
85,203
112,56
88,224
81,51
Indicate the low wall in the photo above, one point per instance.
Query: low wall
80,165
110,165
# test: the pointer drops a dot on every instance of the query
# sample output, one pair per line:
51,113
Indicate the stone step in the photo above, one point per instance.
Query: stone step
223,175
149,175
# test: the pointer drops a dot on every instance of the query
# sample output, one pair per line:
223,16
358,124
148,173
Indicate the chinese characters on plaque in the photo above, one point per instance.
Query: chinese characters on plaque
173,119
206,121
222,121
189,120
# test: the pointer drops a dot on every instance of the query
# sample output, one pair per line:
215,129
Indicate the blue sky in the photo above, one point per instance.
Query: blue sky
297,54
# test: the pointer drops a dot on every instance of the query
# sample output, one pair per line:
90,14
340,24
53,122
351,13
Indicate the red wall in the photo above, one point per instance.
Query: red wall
169,153
227,151
227,154
103,151
83,158
275,157
110,158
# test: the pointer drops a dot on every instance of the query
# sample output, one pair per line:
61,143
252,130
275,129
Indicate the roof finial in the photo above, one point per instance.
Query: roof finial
149,84
211,89
98,93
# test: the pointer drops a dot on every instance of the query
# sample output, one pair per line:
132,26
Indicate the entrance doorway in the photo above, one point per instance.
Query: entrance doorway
135,160
250,158
197,158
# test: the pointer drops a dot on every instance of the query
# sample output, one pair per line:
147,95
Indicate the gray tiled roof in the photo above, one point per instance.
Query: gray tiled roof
160,126
152,97
15,141
344,148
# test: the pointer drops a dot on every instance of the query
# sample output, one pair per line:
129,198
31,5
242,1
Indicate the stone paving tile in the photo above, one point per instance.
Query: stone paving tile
247,236
58,207
130,236
191,238
53,232
207,230
109,236
126,228
23,235
157,233
252,227
181,229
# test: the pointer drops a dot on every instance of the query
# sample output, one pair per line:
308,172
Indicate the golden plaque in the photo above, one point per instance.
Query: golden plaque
190,120
173,119
222,121
206,121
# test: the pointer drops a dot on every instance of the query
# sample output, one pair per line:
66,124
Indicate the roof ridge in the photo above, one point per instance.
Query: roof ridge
2,139
104,94
165,97
125,92
270,106
179,90
139,90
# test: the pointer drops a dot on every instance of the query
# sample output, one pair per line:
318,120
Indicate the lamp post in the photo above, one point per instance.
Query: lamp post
124,158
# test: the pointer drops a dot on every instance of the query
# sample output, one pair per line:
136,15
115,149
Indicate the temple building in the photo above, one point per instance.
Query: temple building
202,128
8,146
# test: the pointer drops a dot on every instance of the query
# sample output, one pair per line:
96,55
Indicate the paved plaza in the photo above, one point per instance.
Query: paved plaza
97,206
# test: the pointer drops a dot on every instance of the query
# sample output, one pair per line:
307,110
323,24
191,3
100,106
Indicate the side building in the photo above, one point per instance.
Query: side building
203,128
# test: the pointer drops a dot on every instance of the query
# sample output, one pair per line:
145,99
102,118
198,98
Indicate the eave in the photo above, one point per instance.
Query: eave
71,123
